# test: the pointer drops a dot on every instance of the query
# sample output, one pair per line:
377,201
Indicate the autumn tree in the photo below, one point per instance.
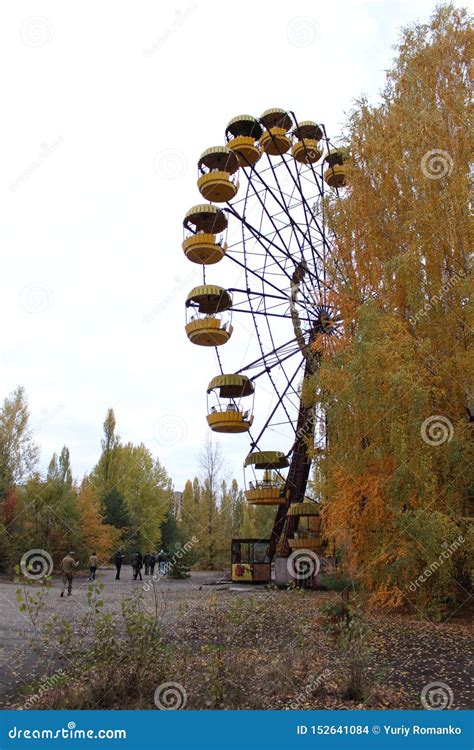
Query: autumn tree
18,451
397,391
95,535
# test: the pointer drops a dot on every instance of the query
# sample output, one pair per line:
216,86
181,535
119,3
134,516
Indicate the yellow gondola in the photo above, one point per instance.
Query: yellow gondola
242,134
336,174
228,414
218,169
306,148
203,327
205,228
274,140
270,489
308,535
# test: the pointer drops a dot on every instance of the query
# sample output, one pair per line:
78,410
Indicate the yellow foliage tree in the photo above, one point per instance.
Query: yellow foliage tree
95,535
398,473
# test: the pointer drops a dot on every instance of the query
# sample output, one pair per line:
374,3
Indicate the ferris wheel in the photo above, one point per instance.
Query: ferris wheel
263,245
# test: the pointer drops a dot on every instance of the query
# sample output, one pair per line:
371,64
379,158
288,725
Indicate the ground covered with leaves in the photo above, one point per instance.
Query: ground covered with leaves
229,647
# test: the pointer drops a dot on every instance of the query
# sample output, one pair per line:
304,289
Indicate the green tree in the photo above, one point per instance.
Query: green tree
147,491
18,451
64,465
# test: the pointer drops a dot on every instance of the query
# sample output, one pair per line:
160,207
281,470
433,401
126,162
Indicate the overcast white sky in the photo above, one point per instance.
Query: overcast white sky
106,108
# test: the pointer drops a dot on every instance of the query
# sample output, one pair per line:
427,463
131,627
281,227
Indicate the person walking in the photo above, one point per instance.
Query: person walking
118,558
152,563
137,565
93,565
162,557
68,566
146,562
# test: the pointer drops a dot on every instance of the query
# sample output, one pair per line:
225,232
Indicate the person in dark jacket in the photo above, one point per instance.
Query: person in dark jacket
118,558
152,563
146,562
137,565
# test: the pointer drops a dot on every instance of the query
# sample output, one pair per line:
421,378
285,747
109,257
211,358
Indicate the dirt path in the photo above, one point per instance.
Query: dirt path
16,628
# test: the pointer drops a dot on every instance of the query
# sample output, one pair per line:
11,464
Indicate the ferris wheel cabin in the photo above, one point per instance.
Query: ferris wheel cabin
306,148
205,233
242,135
275,139
335,175
308,533
218,169
270,488
228,413
208,316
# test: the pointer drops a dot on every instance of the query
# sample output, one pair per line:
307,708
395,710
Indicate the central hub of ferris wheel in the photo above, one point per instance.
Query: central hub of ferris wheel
265,220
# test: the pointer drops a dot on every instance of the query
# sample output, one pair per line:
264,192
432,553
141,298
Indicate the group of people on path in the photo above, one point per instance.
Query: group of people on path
69,565
147,561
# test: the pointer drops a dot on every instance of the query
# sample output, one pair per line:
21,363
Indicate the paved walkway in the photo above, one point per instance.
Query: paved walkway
16,628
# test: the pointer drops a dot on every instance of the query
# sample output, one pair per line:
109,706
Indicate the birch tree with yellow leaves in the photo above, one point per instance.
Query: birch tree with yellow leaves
398,389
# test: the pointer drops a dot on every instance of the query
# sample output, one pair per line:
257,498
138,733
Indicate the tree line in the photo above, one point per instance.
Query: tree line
127,500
